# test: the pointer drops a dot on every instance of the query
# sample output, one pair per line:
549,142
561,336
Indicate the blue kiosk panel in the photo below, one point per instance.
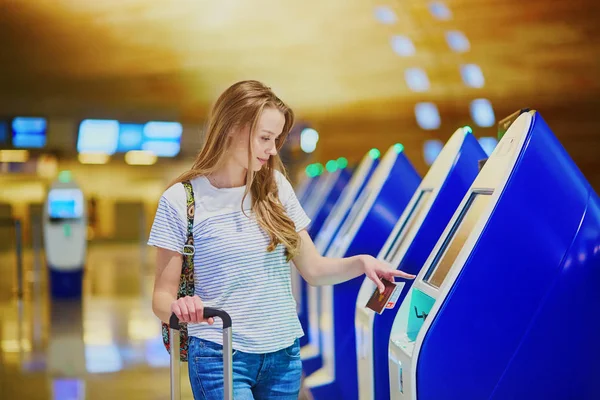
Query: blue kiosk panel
312,350
511,316
408,247
366,229
341,179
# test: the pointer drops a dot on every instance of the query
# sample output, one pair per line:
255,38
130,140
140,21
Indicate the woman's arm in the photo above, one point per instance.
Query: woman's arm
166,285
318,270
166,282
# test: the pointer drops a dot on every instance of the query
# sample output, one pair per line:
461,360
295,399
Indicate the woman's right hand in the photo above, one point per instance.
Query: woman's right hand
190,309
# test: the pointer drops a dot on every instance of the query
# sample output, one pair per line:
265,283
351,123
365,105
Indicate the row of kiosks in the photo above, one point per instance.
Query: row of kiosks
365,230
503,306
312,350
407,248
318,205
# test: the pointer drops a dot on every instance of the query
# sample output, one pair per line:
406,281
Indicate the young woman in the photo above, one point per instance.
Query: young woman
248,227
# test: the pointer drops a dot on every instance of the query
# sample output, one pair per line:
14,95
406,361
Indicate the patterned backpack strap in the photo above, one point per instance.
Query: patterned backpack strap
186,282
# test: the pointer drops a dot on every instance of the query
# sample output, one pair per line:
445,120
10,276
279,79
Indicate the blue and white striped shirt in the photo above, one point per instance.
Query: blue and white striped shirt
232,269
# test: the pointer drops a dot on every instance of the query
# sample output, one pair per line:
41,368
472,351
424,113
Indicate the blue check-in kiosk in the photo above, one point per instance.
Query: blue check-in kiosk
313,185
65,238
366,229
303,186
303,192
408,247
336,181
315,200
311,352
504,307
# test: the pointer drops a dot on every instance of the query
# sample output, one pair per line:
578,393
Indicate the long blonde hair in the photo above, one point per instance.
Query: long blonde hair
238,107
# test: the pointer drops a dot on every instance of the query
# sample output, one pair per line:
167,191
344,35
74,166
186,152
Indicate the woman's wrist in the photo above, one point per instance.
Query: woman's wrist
364,260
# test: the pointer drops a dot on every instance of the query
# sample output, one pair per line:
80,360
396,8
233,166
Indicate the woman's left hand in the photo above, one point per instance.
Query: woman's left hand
376,270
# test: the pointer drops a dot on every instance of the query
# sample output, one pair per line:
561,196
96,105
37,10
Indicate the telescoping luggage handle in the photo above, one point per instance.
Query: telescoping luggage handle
227,353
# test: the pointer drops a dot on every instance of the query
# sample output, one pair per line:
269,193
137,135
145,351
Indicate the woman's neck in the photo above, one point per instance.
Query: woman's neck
228,176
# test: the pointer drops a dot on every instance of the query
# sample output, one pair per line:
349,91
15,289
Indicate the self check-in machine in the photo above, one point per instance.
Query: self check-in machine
314,201
408,247
304,194
503,307
336,182
366,229
65,238
311,352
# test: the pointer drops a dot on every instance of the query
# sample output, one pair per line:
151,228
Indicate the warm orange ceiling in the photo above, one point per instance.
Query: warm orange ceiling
324,57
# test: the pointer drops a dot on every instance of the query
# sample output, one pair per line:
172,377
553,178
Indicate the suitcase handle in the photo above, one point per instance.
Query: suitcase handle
174,327
208,313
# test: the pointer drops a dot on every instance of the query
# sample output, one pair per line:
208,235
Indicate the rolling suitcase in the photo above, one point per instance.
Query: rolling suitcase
227,354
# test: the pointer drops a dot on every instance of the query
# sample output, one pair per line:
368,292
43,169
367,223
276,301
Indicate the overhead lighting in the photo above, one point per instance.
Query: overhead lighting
431,150
428,116
402,45
14,156
385,15
482,112
308,140
457,41
440,11
140,157
472,76
93,158
416,79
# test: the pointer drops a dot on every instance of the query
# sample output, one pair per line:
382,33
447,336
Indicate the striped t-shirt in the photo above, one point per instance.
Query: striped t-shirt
232,269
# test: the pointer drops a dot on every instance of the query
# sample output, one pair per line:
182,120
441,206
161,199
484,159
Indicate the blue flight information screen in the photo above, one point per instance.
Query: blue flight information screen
29,132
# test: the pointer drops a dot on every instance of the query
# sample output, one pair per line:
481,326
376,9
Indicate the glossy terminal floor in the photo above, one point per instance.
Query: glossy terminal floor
107,346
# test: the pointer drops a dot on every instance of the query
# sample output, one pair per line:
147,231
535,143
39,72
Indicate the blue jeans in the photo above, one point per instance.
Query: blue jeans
255,376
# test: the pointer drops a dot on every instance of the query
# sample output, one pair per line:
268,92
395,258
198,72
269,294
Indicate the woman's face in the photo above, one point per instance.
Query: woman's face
263,140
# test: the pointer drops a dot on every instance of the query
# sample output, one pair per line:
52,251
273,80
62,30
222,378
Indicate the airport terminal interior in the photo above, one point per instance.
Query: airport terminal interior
455,140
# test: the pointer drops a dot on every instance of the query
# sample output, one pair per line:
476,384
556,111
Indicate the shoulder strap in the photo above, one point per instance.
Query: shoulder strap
188,248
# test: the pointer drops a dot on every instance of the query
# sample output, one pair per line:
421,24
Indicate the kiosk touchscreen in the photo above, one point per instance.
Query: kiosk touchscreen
337,182
408,247
502,307
366,229
311,352
65,238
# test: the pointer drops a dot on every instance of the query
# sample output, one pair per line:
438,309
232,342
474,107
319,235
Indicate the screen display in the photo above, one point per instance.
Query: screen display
162,138
456,239
29,132
130,137
65,203
415,212
98,136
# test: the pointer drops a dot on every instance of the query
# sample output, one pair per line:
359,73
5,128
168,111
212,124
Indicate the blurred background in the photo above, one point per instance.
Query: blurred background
114,95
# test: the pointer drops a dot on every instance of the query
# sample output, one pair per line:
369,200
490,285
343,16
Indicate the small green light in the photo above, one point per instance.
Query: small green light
331,166
310,171
319,169
64,176
468,129
374,153
399,148
342,162
67,230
